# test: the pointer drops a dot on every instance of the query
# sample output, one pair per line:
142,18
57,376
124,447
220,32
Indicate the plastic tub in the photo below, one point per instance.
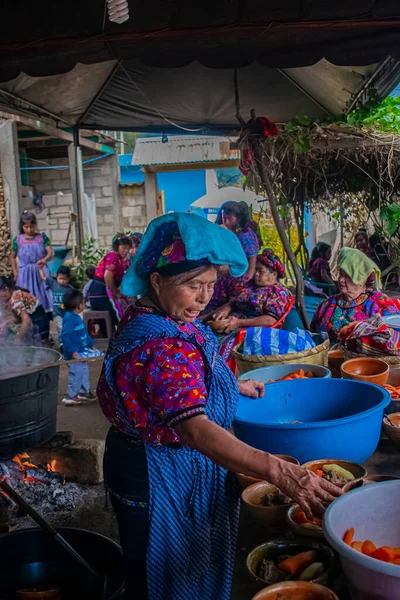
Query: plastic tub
373,512
392,321
335,417
278,371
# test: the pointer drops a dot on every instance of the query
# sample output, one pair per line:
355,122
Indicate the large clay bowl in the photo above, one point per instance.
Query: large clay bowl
393,433
368,480
268,515
357,470
245,480
370,370
295,590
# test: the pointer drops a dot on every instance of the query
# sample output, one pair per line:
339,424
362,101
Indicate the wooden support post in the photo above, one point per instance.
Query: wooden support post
264,178
76,176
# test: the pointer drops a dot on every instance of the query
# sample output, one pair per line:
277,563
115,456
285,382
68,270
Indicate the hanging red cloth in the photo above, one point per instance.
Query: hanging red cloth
262,127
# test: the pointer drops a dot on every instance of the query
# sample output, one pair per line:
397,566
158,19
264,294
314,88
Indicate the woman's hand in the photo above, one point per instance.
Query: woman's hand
312,493
222,313
41,263
251,388
234,323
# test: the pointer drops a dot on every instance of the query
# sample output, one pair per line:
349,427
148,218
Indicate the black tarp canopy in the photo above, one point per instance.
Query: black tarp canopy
172,63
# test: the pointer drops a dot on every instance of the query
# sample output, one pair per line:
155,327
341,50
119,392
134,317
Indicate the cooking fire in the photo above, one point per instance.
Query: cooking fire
42,486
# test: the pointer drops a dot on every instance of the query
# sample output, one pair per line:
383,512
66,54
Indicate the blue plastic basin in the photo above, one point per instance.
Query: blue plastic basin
337,418
278,371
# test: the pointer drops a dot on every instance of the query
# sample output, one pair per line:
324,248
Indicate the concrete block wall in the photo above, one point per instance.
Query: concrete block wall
118,208
133,207
101,178
54,219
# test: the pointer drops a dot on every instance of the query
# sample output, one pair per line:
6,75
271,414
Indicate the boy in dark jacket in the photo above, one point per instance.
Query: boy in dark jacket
76,342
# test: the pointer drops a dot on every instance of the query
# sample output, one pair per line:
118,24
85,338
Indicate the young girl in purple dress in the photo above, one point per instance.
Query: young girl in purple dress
33,250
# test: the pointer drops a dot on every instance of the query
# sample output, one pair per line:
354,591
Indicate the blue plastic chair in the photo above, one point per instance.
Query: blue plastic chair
293,319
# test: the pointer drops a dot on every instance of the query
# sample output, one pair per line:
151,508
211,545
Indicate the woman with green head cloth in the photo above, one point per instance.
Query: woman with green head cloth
170,458
359,297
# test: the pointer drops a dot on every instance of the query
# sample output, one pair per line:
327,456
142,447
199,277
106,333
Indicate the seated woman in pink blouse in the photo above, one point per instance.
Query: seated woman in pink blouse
104,292
263,301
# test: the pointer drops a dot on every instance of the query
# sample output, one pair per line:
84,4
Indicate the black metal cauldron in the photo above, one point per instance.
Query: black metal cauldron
32,559
28,398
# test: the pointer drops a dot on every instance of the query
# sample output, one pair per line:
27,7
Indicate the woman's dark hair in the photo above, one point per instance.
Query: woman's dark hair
121,240
72,299
63,270
238,210
7,283
362,233
319,251
26,217
90,271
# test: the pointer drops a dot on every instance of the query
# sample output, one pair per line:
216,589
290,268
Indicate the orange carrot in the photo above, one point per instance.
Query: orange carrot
357,546
348,536
368,547
396,561
384,553
301,518
319,472
296,564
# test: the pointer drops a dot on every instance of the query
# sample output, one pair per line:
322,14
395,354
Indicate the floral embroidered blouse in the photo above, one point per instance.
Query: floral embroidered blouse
160,384
112,261
253,302
335,312
21,301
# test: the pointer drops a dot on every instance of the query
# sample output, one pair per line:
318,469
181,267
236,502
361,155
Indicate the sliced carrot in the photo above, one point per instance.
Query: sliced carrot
319,472
384,553
300,518
348,536
296,564
396,561
357,546
368,547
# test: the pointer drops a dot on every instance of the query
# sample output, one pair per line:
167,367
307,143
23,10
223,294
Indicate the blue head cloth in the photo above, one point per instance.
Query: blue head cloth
203,240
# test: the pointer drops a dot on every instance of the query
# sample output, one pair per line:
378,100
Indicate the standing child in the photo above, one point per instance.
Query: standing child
76,340
59,286
34,251
90,271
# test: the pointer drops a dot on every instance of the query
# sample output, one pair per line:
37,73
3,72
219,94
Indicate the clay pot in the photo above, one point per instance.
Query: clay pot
393,433
370,370
33,594
394,379
268,515
275,548
352,485
245,480
357,470
296,590
335,360
299,529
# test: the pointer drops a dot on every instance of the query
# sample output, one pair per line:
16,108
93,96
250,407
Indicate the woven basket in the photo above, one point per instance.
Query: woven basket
392,361
316,356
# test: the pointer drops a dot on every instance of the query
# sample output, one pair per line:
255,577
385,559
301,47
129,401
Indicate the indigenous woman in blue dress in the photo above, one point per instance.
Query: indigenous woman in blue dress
170,459
31,251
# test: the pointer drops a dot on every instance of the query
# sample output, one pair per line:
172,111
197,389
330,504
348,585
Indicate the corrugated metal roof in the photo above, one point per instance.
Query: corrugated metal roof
183,150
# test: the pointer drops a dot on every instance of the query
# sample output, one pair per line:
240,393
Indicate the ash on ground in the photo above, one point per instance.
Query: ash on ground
45,491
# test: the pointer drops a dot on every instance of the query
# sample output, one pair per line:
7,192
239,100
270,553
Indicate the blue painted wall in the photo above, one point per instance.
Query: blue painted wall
181,188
